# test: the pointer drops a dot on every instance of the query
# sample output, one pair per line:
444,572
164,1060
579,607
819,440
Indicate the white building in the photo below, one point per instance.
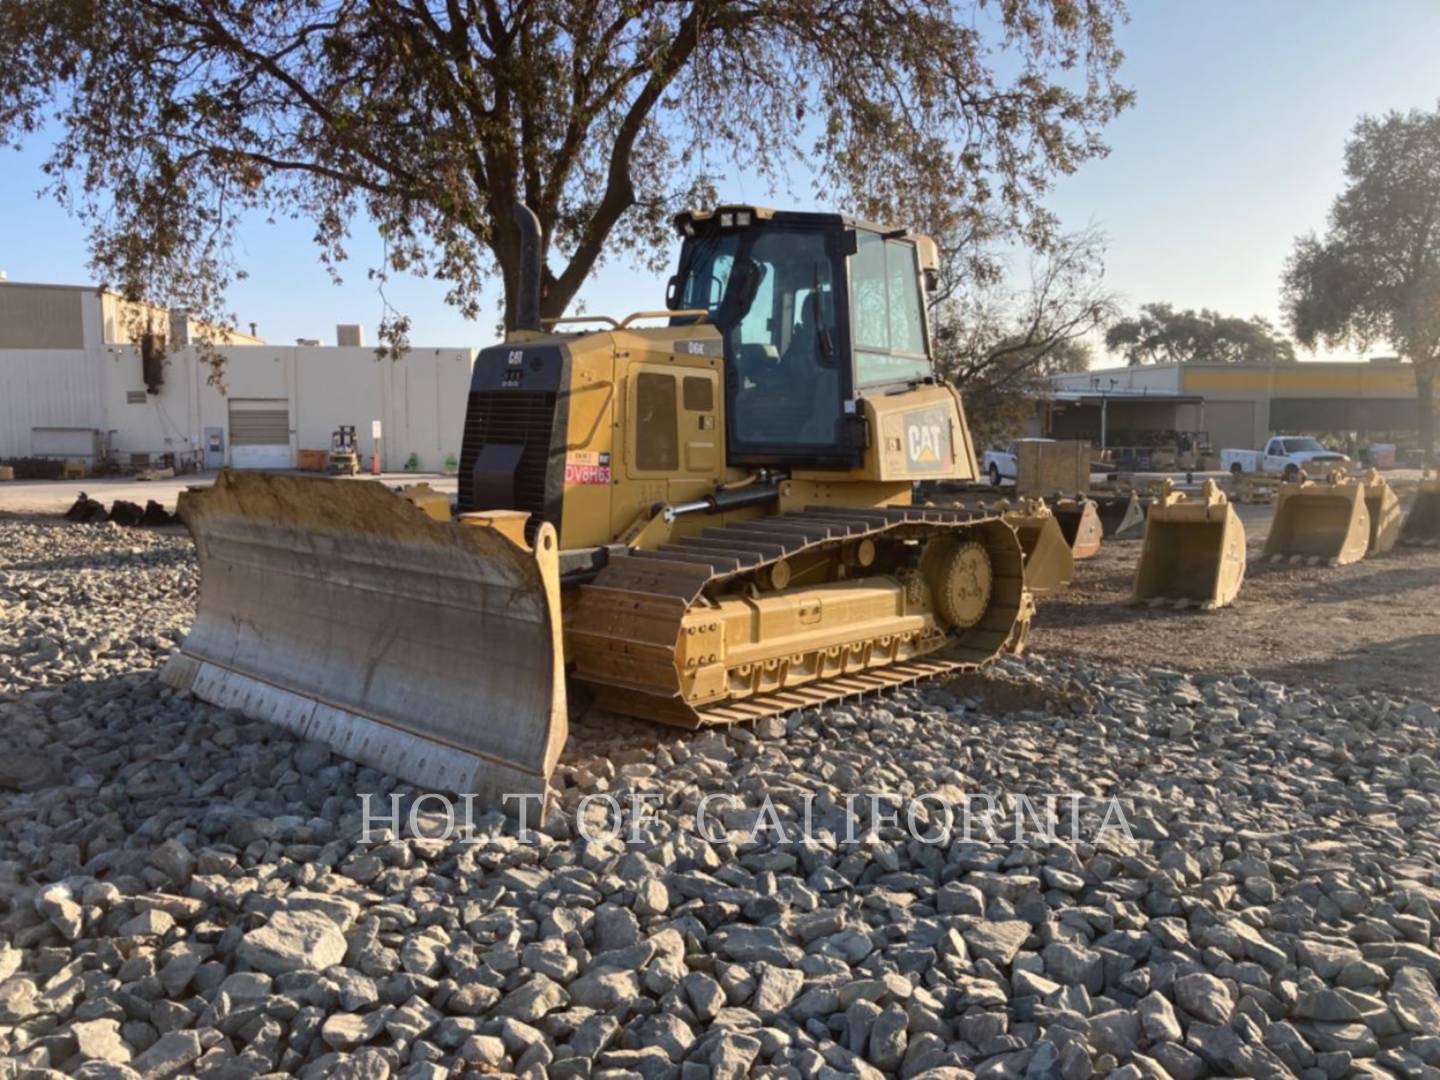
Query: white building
74,383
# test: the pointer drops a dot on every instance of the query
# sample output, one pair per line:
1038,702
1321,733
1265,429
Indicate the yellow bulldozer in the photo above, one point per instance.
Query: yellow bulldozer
703,522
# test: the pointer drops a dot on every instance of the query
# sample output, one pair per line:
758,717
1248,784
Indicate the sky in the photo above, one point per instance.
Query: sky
1233,148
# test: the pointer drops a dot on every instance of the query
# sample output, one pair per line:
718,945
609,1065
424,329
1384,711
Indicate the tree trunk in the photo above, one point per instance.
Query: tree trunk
1425,395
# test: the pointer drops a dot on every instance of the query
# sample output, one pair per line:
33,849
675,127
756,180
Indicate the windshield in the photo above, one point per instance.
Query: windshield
771,293
889,320
1296,445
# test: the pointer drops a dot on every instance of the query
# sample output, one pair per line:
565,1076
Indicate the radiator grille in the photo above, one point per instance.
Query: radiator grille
509,418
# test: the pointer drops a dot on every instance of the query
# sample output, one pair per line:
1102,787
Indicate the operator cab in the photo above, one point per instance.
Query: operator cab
816,310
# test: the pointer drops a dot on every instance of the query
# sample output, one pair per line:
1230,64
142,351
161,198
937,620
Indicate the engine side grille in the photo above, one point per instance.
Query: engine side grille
510,418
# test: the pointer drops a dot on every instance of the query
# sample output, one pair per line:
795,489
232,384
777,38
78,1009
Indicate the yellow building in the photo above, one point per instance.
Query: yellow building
1239,405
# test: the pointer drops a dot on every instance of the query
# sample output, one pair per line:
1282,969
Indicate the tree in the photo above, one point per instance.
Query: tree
999,342
1375,275
1161,335
430,118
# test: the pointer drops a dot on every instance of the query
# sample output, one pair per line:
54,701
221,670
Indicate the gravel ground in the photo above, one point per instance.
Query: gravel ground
184,892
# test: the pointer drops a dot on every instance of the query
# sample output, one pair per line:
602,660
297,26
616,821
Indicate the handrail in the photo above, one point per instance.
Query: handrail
580,318
678,313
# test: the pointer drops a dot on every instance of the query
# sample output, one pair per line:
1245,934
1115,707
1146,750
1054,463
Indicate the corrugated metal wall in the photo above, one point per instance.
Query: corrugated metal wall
47,388
421,398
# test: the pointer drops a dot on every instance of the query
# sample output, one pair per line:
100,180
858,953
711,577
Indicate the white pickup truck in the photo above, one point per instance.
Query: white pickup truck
1285,456
1002,465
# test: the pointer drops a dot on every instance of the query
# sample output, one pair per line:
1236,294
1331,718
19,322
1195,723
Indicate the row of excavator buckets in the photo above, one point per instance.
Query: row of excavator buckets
1335,521
1194,553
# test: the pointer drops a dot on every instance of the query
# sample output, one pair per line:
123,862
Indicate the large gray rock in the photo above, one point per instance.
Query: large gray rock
775,989
1157,1018
99,1040
1413,999
996,941
170,1055
1116,1032
888,1038
293,941
533,999
605,989
1074,965
1204,997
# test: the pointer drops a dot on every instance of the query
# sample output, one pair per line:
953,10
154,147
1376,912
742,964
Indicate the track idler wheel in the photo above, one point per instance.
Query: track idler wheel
960,577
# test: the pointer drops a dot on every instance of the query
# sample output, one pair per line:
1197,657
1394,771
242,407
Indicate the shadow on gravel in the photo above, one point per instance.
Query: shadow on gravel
1380,575
35,753
1405,666
116,560
1090,611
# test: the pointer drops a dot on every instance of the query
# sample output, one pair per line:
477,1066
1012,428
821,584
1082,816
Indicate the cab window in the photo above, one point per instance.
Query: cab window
771,292
889,320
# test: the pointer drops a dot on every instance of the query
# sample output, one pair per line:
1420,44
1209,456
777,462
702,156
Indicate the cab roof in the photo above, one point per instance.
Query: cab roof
809,218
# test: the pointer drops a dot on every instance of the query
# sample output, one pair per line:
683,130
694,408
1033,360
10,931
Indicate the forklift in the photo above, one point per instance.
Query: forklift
344,452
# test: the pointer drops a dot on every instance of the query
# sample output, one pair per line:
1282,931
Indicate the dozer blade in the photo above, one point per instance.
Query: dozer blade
1080,522
1422,524
427,649
1320,522
1049,563
1194,551
1383,506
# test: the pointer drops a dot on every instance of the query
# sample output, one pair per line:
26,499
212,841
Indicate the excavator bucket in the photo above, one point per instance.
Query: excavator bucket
1422,524
1320,522
1080,522
428,649
1121,516
1383,506
1049,564
1194,551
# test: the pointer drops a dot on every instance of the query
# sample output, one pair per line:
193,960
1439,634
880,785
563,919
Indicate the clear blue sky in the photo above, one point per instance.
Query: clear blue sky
1232,149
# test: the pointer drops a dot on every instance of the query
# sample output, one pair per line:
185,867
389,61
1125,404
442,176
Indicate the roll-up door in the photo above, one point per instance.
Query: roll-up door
260,434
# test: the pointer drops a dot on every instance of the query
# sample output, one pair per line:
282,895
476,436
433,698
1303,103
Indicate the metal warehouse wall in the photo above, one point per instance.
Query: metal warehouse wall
420,399
45,388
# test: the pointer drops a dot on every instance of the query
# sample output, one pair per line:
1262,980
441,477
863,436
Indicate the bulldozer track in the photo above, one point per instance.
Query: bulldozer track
628,626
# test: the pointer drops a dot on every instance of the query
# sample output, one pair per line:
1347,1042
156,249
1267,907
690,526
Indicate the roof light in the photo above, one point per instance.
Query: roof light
727,220
742,218
689,227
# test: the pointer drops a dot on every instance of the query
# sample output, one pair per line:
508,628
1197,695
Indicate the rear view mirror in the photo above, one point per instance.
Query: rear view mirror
741,291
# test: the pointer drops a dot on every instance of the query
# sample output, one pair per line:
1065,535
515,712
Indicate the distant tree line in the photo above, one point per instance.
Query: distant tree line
1161,335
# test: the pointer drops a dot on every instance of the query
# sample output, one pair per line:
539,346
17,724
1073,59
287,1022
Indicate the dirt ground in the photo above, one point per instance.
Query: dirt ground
1374,624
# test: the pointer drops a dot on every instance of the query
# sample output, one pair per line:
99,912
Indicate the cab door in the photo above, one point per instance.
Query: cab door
674,438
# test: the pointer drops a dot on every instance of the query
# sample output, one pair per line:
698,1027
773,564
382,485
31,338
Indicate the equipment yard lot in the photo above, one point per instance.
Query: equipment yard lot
161,854
1371,624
